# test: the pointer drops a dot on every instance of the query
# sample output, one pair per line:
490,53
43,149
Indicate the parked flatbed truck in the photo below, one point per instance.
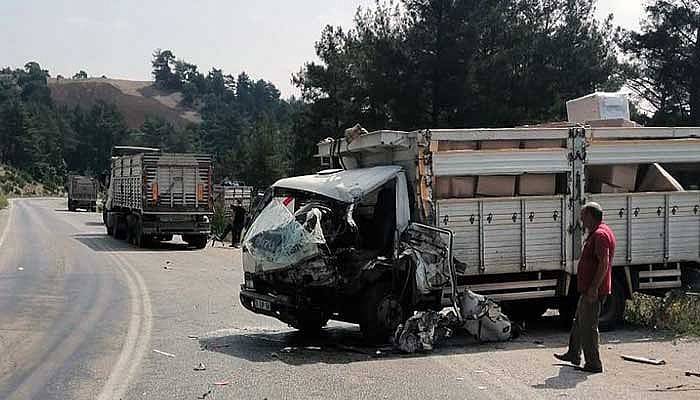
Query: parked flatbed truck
371,239
82,192
153,196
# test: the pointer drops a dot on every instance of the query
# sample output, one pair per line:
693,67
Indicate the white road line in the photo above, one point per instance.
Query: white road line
138,334
7,224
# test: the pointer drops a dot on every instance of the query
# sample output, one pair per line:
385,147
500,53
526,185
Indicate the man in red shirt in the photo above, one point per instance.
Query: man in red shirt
594,283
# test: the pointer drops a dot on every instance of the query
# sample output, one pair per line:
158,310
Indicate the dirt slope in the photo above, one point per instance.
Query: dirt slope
135,99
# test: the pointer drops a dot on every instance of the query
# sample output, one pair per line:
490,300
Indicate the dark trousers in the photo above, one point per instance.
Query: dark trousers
235,230
584,333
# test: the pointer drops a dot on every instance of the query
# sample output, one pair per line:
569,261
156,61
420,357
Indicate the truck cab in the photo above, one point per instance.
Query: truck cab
340,245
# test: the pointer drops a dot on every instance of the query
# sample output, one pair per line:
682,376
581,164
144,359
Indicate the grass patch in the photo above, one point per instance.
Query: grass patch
677,311
3,201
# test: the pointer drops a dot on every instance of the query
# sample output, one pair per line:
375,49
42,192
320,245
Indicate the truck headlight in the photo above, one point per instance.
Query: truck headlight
249,284
248,280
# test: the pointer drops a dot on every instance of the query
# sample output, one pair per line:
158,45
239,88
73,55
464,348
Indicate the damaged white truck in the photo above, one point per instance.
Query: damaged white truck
409,220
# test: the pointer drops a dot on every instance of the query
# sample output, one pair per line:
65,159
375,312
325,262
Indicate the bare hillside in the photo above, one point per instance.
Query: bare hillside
135,99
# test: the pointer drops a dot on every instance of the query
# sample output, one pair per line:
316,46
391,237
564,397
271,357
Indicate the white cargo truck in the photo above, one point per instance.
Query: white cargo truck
407,220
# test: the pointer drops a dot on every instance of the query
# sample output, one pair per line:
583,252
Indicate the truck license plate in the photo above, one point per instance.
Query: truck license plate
263,305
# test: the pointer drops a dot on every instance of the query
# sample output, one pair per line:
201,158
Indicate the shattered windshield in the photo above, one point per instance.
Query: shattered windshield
276,239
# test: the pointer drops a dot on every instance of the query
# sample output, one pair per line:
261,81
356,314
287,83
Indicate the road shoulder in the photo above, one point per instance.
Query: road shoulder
4,222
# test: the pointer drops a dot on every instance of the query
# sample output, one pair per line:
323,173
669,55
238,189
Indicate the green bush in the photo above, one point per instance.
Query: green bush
3,201
219,219
677,311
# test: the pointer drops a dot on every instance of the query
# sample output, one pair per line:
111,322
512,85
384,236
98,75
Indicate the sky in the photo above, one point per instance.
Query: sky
267,39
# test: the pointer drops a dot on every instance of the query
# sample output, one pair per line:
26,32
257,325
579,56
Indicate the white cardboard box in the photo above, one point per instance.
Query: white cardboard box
497,185
537,184
597,106
622,176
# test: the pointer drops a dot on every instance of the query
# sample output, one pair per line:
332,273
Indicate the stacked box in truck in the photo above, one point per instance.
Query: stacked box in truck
82,193
153,196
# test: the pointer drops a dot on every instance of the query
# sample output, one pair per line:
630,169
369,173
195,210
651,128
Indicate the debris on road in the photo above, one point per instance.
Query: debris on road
668,388
484,319
481,317
643,360
692,373
192,337
288,350
423,330
164,353
204,396
221,383
200,367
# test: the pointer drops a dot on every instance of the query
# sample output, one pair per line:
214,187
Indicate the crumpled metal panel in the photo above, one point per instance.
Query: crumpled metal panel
424,330
484,319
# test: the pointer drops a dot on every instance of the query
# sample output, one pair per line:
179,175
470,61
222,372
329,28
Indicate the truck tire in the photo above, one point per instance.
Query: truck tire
120,227
141,240
383,313
612,311
70,206
198,241
106,221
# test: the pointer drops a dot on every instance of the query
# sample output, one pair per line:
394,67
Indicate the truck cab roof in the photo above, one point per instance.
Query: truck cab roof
342,185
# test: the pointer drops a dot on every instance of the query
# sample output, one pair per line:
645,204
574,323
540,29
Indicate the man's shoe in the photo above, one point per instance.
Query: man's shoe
591,370
567,358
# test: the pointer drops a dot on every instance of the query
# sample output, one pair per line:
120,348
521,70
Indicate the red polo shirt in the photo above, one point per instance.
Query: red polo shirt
601,238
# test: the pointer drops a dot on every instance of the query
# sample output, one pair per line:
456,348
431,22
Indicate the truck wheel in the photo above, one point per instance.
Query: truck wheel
612,311
70,206
140,239
120,228
198,241
382,314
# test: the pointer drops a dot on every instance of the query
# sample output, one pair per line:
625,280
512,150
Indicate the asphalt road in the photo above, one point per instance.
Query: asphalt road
83,316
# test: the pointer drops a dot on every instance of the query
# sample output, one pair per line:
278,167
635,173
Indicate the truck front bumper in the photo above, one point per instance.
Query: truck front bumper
176,227
280,307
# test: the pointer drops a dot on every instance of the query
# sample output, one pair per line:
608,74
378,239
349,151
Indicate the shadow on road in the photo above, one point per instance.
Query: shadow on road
103,242
78,211
342,345
567,378
94,223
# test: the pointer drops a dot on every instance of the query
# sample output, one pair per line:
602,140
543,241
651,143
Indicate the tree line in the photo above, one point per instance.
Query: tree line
405,64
